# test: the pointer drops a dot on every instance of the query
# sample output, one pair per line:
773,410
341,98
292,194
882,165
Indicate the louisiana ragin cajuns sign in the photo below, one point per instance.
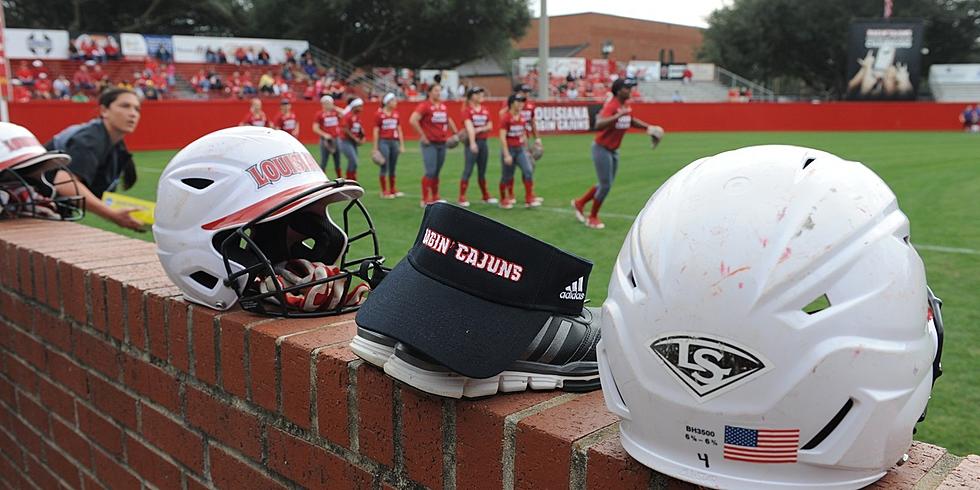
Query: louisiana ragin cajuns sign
272,170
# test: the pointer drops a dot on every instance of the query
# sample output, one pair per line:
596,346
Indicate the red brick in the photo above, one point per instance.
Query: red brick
64,371
332,385
151,382
194,484
61,466
202,336
228,471
54,330
11,475
90,483
480,432
9,446
312,466
24,271
422,437
173,438
8,267
151,466
112,401
296,354
51,294
27,348
98,354
56,399
97,298
19,314
237,429
115,310
234,327
922,457
609,466
544,440
965,475
7,393
26,437
177,330
33,412
374,404
40,475
74,292
262,353
100,429
113,474
136,308
22,375
156,325
71,442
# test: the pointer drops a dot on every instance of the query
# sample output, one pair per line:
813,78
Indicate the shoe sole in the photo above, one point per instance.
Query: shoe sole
373,352
452,385
578,214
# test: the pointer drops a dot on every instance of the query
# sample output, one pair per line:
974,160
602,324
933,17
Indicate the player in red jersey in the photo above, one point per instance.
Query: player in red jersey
389,142
513,142
326,124
352,136
476,119
286,119
432,122
612,122
255,115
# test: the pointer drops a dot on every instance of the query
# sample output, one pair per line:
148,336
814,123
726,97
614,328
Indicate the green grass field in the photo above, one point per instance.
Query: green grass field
935,175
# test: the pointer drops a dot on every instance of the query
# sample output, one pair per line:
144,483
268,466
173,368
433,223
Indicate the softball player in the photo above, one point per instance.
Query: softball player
389,142
352,136
514,153
255,115
612,122
476,119
286,119
431,120
326,124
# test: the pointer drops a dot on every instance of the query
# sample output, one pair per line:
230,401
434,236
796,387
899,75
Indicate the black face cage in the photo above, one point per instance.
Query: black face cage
43,201
369,268
935,307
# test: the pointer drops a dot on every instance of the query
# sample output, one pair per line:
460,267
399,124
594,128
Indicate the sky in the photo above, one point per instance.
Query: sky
687,12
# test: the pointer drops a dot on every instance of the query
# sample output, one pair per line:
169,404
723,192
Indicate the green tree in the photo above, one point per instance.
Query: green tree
807,40
218,17
420,33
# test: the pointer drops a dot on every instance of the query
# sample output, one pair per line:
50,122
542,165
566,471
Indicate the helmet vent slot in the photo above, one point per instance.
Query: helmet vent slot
205,279
632,279
817,305
829,428
197,183
808,161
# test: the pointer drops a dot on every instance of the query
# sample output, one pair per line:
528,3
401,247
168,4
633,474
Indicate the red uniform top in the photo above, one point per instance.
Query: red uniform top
612,136
515,126
352,122
329,122
288,123
480,118
527,113
253,120
387,125
434,122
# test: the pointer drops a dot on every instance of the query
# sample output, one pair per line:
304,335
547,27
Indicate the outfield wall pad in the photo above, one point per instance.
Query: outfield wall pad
171,124
110,380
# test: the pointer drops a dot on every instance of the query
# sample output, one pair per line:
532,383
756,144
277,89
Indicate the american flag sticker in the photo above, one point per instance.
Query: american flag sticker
761,445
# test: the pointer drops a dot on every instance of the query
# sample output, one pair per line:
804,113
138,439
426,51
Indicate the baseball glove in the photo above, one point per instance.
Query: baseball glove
377,158
656,134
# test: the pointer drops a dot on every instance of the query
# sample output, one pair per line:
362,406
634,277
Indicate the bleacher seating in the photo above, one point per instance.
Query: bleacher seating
664,91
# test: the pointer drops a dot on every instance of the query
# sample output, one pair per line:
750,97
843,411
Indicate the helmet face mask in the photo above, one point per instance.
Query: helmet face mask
26,189
711,350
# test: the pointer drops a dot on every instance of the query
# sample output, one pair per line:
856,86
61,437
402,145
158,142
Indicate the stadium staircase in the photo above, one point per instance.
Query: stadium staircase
955,92
715,90
357,78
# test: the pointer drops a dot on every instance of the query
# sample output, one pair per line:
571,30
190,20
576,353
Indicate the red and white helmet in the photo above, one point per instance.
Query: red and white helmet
768,325
242,216
26,173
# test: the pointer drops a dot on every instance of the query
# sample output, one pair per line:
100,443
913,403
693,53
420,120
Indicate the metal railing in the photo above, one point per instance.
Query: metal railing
345,70
733,80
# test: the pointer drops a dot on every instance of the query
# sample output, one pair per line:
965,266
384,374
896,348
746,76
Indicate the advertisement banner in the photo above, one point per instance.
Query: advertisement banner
556,66
43,44
133,46
884,59
95,46
961,73
565,118
702,72
161,47
191,49
643,71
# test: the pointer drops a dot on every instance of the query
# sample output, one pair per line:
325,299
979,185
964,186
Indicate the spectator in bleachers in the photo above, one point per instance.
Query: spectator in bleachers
571,91
220,57
150,66
42,86
263,57
171,75
210,56
267,84
79,97
337,90
25,74
289,54
111,49
686,76
308,65
61,87
160,82
37,67
287,70
150,92
240,56
81,79
250,55
103,84
73,53
281,87
216,82
200,81
162,54
21,93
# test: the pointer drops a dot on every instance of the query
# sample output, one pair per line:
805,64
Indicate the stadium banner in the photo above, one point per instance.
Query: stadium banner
44,44
133,46
961,73
644,71
154,42
191,49
672,72
600,67
884,59
702,72
449,78
556,66
94,46
556,117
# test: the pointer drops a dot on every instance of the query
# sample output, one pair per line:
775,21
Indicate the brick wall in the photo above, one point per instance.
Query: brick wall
109,380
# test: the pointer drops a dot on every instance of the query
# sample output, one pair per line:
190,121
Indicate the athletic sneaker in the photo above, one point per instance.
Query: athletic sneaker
507,204
594,223
490,200
562,356
533,204
463,202
579,210
398,194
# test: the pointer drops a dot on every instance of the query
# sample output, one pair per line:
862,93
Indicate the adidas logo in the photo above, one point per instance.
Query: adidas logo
575,290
